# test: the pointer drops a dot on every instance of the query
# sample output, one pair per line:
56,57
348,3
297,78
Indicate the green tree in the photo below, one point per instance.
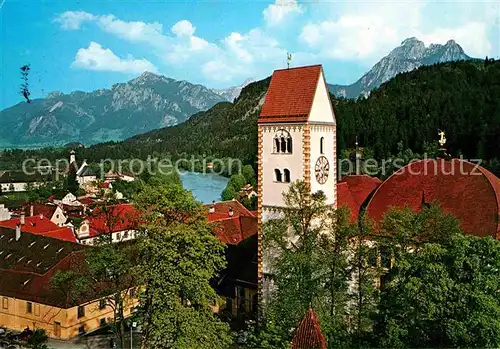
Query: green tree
71,182
297,267
180,255
249,174
38,340
442,288
228,193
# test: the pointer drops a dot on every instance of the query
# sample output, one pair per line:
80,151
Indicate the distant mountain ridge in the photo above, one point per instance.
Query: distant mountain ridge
145,103
233,92
152,101
411,55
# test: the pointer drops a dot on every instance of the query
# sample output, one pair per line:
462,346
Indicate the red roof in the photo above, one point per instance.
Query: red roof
47,210
232,229
352,191
290,95
308,335
40,226
115,218
86,200
471,194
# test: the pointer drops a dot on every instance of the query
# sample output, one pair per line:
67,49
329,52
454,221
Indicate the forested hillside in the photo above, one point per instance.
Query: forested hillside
460,98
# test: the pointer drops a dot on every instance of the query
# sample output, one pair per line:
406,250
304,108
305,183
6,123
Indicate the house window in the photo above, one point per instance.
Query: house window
81,311
37,309
321,145
81,330
277,175
102,304
102,322
29,307
125,235
282,142
132,293
287,175
5,303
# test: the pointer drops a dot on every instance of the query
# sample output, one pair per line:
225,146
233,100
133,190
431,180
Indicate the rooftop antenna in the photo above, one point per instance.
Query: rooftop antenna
288,59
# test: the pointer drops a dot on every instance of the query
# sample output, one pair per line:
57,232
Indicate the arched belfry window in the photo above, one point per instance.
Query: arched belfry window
282,142
321,141
286,173
277,175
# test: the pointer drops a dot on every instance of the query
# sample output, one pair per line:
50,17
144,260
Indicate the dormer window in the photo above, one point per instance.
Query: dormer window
282,142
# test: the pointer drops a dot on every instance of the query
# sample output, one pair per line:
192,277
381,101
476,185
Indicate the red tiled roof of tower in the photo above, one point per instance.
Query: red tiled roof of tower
472,196
121,217
290,95
353,190
308,334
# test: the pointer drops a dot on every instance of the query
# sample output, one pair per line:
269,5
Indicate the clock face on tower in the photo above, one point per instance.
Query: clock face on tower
322,169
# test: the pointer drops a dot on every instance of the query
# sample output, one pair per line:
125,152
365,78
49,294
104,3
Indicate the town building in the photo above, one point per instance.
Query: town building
118,222
18,181
49,210
27,264
236,226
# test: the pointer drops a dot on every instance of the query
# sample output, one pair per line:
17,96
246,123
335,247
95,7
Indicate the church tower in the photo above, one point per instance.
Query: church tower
296,141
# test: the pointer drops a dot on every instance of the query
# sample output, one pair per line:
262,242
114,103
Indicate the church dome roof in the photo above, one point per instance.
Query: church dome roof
468,191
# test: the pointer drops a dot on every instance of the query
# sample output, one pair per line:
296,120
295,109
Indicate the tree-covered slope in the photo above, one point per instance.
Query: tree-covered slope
460,98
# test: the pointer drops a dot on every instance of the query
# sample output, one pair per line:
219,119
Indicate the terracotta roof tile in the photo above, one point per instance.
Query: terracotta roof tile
290,95
119,217
232,229
472,196
352,191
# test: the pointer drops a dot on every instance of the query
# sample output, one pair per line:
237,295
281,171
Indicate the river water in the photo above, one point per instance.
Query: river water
206,187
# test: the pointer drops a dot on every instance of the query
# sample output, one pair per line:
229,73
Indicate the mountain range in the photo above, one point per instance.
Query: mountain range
153,101
411,55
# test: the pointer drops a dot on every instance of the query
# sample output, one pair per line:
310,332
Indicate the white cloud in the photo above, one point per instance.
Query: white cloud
183,28
134,31
472,36
276,13
95,57
72,20
367,33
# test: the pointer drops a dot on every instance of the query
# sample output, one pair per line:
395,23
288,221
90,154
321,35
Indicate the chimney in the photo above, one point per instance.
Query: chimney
211,209
31,211
230,211
41,215
18,232
22,218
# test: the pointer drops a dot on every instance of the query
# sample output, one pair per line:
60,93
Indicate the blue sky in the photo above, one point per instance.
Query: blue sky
86,45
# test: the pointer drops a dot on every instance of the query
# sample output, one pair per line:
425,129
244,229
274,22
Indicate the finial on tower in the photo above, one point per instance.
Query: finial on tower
442,138
288,59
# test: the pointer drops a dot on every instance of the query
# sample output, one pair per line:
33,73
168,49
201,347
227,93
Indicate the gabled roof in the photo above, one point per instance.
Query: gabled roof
290,95
47,210
353,190
113,218
471,194
233,229
308,334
